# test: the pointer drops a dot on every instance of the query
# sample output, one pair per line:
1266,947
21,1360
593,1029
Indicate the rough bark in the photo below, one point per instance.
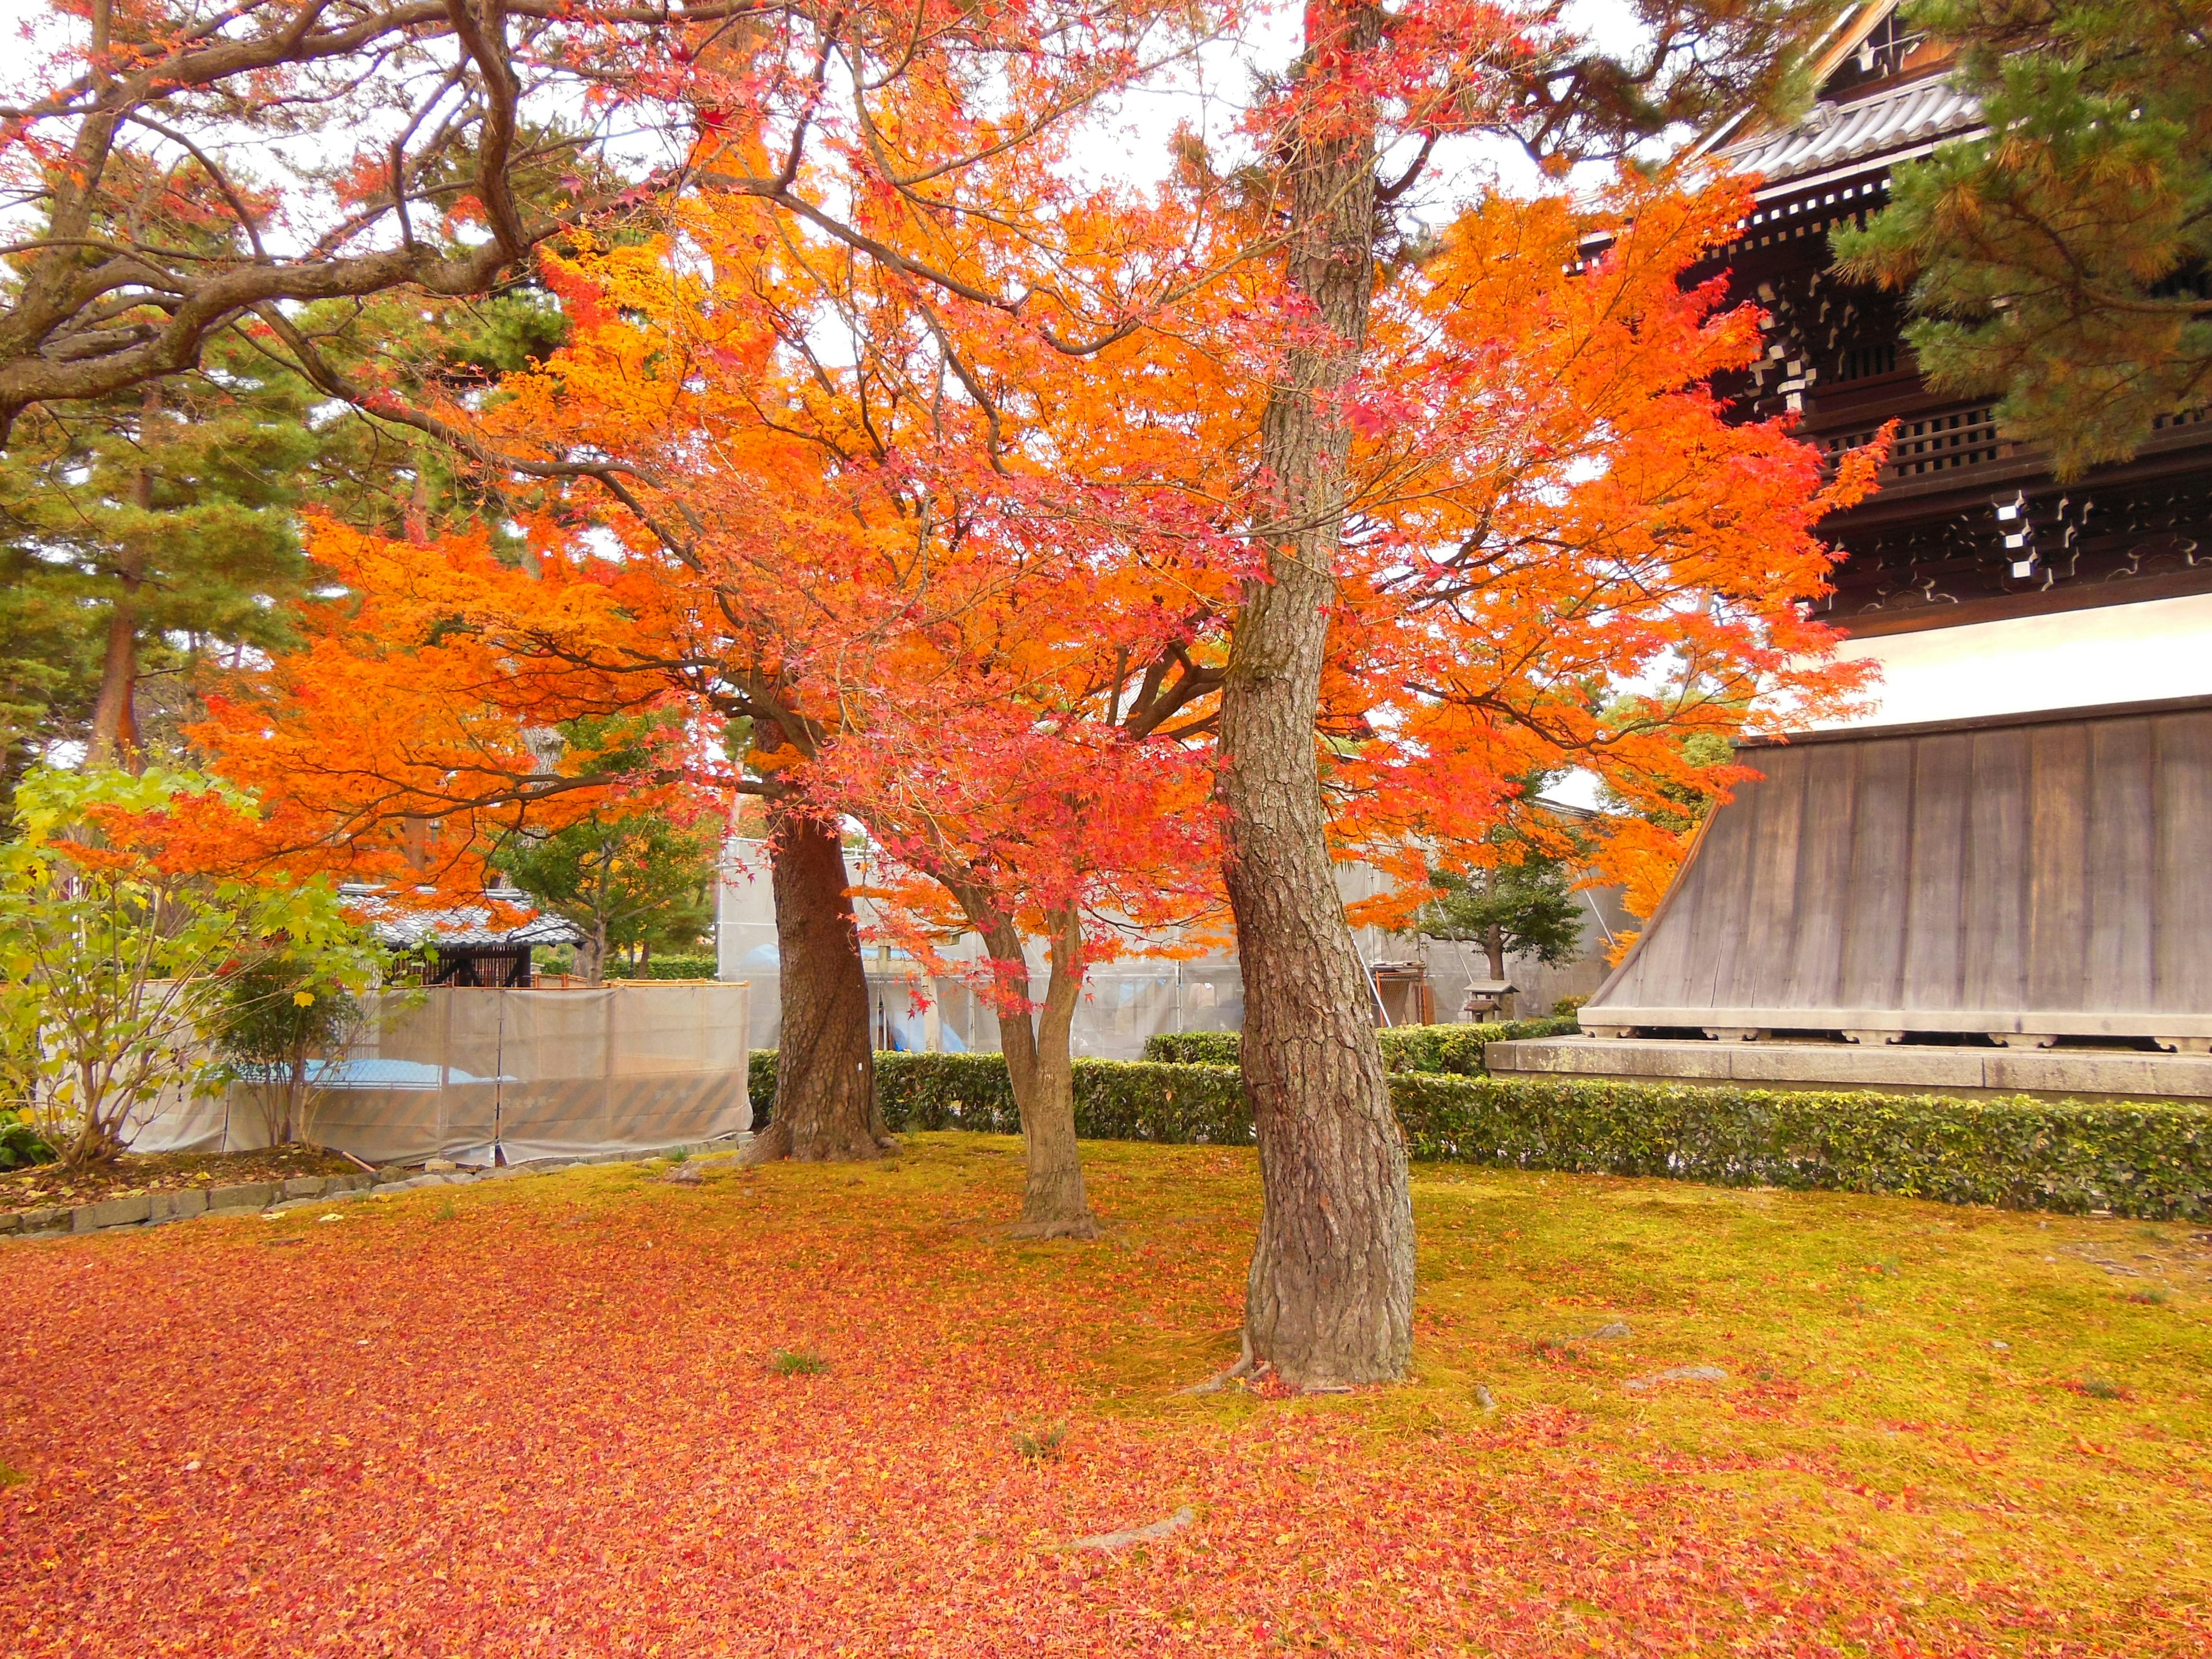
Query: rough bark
1040,1064
114,739
825,1079
1330,1299
591,953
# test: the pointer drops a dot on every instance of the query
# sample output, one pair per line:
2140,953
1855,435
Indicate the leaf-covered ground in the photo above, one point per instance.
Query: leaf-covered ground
545,1417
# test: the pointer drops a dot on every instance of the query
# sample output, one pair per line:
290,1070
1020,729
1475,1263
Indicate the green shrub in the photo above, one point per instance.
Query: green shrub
1195,1047
2153,1161
689,967
1114,1099
1456,1049
22,1145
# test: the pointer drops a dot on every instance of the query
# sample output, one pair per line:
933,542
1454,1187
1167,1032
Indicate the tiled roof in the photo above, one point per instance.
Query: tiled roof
1831,135
403,929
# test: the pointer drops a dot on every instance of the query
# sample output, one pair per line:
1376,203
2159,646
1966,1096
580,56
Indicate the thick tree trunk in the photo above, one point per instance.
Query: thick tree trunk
592,955
825,1078
1493,945
1040,1064
1330,1300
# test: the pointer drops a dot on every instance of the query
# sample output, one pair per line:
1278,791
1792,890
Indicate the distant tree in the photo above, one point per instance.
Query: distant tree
284,1007
1523,908
625,878
2062,261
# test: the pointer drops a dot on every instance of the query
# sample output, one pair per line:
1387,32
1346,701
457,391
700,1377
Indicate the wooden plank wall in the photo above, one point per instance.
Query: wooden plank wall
2047,866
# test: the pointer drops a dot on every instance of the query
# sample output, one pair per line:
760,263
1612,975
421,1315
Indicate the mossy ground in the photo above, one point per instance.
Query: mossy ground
1999,1392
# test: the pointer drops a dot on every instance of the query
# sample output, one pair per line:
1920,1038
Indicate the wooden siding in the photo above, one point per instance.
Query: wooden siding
2040,875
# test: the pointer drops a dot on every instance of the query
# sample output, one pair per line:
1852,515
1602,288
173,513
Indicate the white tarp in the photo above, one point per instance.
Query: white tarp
482,1076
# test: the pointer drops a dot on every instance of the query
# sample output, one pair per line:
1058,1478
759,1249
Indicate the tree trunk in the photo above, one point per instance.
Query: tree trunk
295,1101
1330,1300
114,739
1493,945
1041,1066
591,954
825,1078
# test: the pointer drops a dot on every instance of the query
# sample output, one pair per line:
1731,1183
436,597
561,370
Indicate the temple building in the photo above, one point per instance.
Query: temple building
1997,878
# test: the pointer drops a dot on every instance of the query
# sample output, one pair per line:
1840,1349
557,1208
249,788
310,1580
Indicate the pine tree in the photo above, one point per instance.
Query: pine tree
2061,261
142,533
1523,907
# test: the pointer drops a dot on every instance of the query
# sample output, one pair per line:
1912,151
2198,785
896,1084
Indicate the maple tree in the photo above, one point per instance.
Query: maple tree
787,559
844,579
981,661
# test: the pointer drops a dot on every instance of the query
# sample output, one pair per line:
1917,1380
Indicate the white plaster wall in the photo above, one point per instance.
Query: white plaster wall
2070,660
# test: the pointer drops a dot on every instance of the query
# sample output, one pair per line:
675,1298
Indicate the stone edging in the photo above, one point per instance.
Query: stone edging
273,1197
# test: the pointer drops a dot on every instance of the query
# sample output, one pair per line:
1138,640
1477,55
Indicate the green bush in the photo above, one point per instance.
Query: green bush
1456,1049
1195,1047
692,967
21,1145
1114,1099
2150,1160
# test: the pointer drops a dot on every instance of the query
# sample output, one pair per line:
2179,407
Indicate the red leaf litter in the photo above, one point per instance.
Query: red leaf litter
541,1419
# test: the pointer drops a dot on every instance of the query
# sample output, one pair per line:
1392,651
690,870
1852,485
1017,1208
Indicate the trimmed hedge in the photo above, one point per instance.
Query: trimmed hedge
1114,1099
2153,1161
686,967
1455,1049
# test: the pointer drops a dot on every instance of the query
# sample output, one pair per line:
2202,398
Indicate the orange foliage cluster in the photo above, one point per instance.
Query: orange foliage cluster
990,618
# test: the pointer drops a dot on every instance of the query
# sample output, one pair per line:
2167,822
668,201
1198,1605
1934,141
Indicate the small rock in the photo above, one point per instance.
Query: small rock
440,1166
683,1176
1678,1374
1611,1331
1128,1535
1484,1398
2002,1347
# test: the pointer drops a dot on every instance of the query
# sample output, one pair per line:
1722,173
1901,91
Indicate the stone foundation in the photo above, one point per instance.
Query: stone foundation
1907,1068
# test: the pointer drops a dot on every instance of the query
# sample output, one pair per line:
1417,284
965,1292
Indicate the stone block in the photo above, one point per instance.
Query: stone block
246,1195
1837,1065
10,1221
2134,1077
110,1213
179,1206
46,1220
305,1187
